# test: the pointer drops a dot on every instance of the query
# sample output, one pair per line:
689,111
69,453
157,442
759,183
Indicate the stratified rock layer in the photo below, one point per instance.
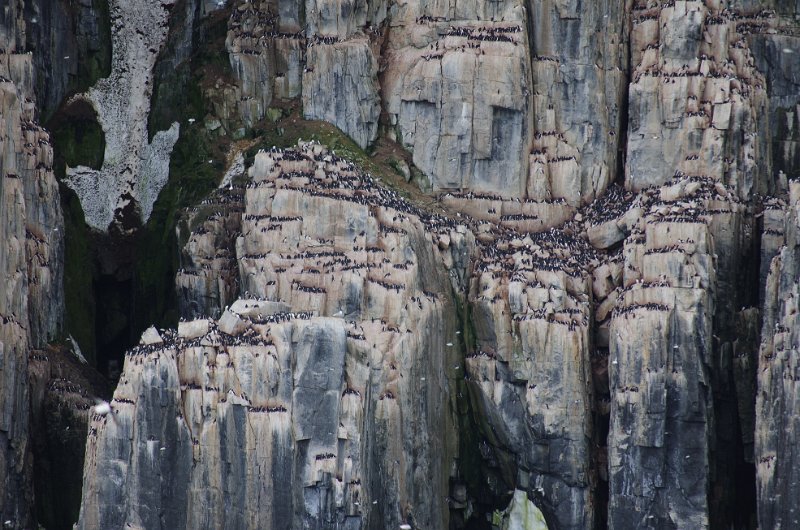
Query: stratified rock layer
456,92
331,63
661,356
600,269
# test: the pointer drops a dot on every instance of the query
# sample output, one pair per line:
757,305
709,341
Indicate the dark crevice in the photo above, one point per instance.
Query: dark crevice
479,481
622,122
601,420
736,324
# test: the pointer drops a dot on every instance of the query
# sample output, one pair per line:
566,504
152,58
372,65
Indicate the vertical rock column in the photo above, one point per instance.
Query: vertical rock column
266,45
579,63
695,97
31,258
340,79
530,375
778,397
456,89
662,358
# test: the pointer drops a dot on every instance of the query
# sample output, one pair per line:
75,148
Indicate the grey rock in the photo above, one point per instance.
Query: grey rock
340,87
31,260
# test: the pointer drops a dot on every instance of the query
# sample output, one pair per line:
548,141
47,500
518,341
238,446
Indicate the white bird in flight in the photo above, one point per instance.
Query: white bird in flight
102,408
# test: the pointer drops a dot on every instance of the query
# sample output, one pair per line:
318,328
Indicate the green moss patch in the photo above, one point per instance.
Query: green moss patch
196,166
79,270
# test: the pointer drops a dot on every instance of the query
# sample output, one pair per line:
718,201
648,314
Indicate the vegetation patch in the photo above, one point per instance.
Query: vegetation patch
197,163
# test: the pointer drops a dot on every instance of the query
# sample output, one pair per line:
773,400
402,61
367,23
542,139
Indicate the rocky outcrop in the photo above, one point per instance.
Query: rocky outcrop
337,373
339,86
679,364
776,402
579,59
481,104
774,36
265,44
31,260
135,167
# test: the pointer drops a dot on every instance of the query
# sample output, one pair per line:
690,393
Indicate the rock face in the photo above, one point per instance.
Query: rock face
776,404
331,63
337,376
694,91
135,168
592,325
456,90
663,356
592,295
31,260
68,42
340,87
530,372
62,392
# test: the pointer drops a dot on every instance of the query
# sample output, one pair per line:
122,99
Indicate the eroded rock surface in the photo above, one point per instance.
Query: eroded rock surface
662,355
330,62
696,99
595,316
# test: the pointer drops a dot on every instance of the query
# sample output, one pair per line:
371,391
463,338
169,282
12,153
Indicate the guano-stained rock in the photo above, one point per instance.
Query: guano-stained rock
346,399
135,168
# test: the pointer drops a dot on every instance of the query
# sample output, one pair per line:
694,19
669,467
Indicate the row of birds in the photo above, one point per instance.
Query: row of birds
551,239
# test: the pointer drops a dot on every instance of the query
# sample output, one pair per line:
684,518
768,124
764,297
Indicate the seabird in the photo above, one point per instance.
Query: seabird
102,408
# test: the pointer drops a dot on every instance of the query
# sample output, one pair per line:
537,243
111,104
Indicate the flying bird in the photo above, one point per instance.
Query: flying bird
103,408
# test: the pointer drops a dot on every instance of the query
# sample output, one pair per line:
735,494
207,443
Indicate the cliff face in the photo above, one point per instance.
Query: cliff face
776,400
575,306
31,260
334,372
596,266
